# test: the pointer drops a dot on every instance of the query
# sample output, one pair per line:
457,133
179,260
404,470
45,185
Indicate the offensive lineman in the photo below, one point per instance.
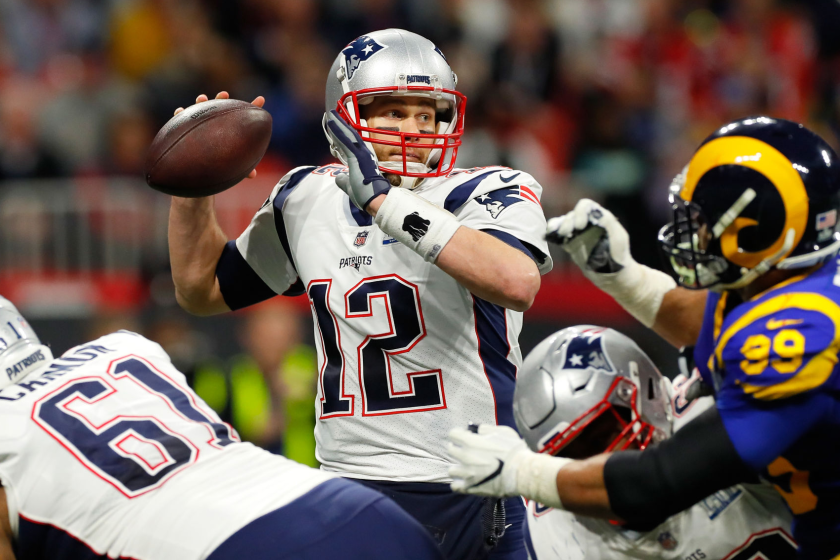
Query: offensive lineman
416,291
586,390
106,453
754,235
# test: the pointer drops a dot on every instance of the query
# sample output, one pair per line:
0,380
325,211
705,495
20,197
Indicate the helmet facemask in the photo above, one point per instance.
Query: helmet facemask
687,243
449,127
613,424
692,243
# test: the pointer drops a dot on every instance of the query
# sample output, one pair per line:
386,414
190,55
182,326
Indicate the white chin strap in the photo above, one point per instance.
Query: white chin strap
810,259
412,167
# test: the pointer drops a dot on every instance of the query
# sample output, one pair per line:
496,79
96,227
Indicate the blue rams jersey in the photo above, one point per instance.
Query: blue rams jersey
773,363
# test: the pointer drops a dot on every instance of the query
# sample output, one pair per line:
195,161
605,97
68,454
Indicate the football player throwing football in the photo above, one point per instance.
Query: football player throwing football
417,274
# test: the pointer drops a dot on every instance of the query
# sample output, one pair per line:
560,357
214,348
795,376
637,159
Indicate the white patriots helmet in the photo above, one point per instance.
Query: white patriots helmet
591,385
398,62
21,352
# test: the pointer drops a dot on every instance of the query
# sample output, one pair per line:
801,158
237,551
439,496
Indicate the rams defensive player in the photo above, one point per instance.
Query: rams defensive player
754,240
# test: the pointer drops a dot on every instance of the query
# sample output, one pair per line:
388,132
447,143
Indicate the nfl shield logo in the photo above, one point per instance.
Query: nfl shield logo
361,238
667,540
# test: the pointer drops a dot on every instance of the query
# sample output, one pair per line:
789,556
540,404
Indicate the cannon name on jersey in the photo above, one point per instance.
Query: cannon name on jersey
405,352
137,451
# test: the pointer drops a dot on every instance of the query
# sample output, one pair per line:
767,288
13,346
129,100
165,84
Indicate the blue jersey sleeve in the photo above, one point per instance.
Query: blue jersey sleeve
777,358
705,346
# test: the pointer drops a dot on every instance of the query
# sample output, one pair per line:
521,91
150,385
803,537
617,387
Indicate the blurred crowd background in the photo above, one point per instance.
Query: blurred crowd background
599,98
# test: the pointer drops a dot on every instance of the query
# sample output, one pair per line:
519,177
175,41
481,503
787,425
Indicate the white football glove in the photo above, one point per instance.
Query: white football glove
494,461
600,246
487,461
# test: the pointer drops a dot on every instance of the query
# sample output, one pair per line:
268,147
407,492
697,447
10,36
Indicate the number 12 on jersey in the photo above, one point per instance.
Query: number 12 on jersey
402,308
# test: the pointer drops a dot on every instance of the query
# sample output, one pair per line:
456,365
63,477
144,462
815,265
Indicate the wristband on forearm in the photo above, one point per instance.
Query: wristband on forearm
639,289
536,478
416,223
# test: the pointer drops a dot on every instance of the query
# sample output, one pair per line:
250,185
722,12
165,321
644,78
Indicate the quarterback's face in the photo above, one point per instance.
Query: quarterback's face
401,114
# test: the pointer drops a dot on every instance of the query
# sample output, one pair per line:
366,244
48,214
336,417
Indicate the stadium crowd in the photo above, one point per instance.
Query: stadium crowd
604,98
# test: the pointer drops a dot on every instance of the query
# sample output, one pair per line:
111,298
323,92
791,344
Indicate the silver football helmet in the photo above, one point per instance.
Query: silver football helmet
586,390
21,352
398,62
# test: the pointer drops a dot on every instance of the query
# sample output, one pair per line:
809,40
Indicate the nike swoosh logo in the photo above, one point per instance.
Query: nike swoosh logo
774,324
509,179
492,475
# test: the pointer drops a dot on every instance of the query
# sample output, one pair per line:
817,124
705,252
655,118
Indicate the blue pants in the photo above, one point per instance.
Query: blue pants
336,519
457,521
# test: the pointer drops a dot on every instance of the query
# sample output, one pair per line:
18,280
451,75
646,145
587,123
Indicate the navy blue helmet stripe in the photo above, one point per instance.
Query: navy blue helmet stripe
493,348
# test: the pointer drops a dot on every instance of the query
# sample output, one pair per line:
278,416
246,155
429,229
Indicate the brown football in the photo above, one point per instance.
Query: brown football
207,148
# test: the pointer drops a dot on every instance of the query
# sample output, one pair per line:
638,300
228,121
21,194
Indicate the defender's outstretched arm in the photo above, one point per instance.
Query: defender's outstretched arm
600,246
641,487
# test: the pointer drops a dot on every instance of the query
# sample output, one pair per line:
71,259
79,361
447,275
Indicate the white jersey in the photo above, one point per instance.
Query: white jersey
405,352
745,522
739,523
108,445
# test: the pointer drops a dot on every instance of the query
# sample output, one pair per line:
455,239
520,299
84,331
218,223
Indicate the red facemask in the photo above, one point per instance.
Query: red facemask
632,432
445,146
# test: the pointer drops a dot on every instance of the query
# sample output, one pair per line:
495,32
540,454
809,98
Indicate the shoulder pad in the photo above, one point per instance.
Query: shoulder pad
512,185
292,179
781,346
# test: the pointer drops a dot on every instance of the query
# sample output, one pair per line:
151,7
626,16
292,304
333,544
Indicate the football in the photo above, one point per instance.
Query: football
208,148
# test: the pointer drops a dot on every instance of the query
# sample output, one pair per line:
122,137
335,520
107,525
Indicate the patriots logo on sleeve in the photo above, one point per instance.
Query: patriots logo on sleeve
358,52
497,201
586,351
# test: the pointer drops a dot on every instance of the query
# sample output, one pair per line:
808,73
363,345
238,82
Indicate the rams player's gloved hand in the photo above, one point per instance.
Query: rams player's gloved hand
364,181
487,461
600,246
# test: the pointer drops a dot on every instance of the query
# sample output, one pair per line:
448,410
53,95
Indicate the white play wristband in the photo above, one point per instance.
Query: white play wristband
416,223
536,478
639,290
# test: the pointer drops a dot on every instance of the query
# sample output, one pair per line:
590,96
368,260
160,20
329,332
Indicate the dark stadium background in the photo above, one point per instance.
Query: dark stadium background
598,98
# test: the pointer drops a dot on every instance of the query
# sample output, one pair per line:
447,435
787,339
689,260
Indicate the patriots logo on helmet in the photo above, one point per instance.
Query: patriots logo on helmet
359,51
497,201
437,50
586,351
